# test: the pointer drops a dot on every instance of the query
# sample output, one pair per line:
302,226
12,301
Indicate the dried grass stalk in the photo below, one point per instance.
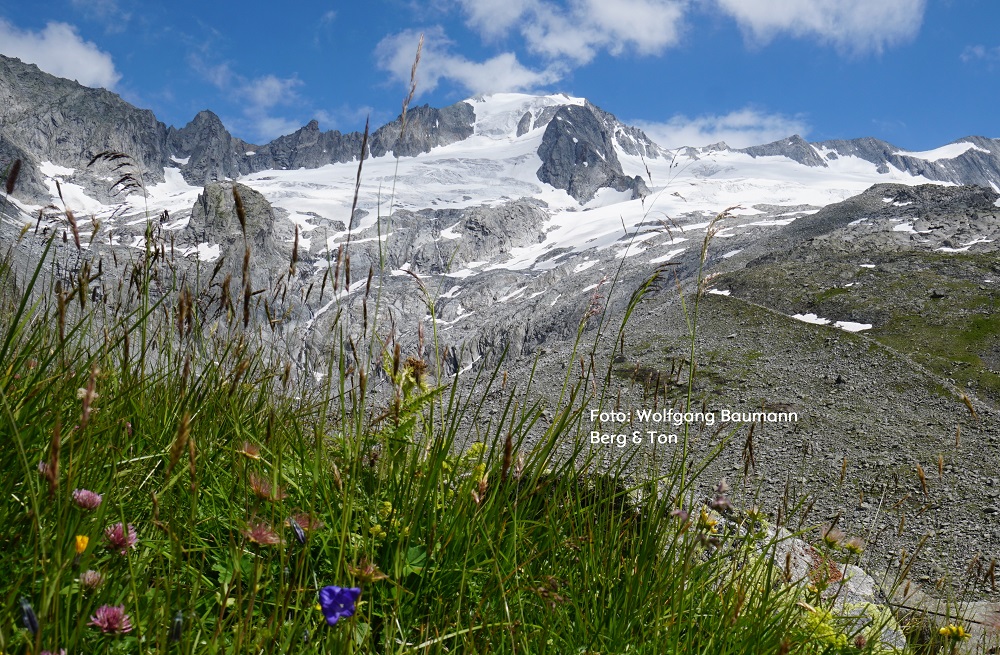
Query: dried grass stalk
12,174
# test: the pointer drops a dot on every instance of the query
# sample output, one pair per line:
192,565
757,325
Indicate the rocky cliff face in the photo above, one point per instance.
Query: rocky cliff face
206,150
578,155
794,147
307,147
51,119
426,127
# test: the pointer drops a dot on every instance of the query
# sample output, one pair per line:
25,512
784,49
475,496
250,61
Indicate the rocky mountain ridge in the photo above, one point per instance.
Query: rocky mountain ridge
969,160
48,119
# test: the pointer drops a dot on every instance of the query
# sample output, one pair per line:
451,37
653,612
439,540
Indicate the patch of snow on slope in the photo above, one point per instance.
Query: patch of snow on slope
182,162
173,194
512,294
206,252
49,169
949,151
667,257
778,222
811,318
850,326
76,199
498,114
450,233
468,271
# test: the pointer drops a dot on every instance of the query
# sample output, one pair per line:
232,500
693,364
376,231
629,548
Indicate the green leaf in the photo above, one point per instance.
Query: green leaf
416,559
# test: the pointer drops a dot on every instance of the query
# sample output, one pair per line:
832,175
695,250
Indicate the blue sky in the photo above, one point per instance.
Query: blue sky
917,73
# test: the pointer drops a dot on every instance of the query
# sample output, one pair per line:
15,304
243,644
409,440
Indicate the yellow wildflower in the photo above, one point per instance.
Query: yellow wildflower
706,520
955,631
80,544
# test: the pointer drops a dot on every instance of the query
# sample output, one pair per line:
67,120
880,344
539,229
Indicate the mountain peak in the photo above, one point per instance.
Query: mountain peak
206,117
794,147
502,115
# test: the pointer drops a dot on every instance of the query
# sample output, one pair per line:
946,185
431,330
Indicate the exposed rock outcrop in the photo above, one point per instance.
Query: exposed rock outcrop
578,155
794,147
426,128
210,151
269,236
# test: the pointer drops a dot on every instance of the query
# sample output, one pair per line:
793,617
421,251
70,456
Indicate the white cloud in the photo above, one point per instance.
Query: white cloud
739,129
268,91
350,118
580,29
267,127
108,12
218,75
262,96
980,53
395,54
59,50
259,96
646,25
855,26
494,17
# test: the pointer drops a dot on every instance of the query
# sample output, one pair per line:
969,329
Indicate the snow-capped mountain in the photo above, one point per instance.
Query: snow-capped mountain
493,200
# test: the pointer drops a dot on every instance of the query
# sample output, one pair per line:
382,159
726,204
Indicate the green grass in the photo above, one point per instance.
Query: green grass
955,332
827,294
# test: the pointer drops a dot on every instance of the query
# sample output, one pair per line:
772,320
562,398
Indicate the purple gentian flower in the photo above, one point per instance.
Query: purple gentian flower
30,620
338,602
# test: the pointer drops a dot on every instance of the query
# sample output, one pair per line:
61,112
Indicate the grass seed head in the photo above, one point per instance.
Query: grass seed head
241,213
12,173
180,441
